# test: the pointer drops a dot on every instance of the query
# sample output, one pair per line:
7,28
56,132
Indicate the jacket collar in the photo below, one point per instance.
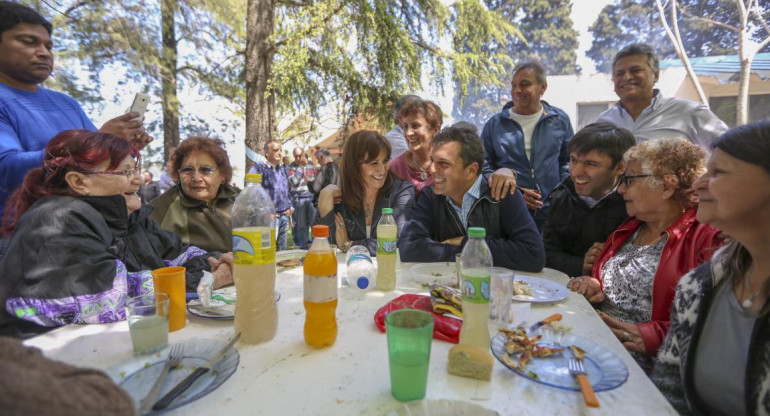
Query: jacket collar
548,111
112,208
569,186
225,192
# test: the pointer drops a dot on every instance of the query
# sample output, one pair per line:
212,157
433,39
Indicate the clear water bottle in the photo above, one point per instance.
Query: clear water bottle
360,273
476,271
256,315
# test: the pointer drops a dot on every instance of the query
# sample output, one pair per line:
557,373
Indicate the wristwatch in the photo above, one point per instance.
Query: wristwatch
346,246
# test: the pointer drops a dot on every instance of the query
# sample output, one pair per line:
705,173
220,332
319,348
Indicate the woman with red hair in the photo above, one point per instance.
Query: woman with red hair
81,243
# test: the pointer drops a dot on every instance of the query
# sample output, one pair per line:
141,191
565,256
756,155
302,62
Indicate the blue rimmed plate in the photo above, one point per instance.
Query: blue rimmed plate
137,374
604,369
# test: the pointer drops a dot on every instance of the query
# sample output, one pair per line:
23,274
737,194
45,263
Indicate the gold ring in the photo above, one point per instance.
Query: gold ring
626,336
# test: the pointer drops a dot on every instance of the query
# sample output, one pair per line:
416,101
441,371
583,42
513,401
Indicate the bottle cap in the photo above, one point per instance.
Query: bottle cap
254,177
320,231
477,232
387,210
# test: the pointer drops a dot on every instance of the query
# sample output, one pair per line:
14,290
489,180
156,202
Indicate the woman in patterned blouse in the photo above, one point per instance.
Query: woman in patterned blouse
634,277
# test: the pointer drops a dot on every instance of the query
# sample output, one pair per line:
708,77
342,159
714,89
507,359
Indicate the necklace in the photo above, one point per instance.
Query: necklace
423,172
750,301
368,210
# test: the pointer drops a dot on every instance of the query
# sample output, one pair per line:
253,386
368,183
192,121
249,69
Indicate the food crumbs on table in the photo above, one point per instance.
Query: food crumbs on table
437,274
339,401
122,374
147,364
533,375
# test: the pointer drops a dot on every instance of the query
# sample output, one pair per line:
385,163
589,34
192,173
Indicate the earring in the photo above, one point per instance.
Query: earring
86,193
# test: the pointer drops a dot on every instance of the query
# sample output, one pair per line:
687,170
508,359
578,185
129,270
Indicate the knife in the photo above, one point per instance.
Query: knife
189,380
553,318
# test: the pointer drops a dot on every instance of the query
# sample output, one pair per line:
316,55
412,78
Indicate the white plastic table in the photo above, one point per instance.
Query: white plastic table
286,377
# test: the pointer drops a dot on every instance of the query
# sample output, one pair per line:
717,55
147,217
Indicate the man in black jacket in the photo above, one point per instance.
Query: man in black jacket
461,198
585,207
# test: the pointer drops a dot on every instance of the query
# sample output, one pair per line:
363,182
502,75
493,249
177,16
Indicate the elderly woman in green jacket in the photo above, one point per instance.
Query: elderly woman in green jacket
198,207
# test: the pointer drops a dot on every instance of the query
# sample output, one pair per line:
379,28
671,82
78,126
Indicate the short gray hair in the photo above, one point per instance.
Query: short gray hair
535,66
638,49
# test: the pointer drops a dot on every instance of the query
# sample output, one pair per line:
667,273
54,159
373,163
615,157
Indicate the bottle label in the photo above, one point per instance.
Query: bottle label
253,246
387,245
476,288
359,256
320,289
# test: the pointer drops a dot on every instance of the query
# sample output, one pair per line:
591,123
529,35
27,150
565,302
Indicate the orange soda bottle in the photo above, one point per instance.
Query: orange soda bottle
320,290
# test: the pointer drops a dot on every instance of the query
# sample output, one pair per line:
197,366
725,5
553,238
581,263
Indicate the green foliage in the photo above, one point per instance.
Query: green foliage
545,34
629,21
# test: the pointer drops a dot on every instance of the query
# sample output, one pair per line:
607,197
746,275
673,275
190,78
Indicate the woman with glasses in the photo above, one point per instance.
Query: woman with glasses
635,275
198,207
366,187
716,357
81,243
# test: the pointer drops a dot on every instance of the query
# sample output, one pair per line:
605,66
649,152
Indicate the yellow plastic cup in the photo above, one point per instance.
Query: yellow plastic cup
171,280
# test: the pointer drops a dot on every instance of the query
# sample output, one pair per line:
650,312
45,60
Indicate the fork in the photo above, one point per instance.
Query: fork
576,369
175,357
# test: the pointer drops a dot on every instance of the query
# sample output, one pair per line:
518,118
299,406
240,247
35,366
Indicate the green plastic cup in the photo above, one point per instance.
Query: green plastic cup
410,332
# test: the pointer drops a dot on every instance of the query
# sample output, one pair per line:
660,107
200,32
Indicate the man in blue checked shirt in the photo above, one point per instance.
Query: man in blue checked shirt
461,198
275,180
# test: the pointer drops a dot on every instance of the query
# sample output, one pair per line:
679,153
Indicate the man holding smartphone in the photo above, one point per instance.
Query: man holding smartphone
30,115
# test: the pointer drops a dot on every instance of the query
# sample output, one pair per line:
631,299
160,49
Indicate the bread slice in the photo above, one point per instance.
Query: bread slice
470,361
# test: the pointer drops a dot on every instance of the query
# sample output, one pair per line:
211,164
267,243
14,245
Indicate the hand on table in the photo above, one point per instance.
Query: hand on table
588,287
502,182
457,241
531,198
628,334
222,270
590,257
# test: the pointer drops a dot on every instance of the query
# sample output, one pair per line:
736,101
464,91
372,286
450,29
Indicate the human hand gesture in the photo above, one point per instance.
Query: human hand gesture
502,182
588,287
590,258
628,334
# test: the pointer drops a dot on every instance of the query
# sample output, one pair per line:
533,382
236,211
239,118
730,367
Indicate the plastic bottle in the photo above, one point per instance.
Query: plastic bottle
256,315
476,271
387,241
320,289
360,270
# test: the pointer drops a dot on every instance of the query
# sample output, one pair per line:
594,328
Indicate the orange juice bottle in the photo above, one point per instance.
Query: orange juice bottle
320,289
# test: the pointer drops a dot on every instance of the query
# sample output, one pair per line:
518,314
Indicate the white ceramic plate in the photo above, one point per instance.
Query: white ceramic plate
429,273
137,374
217,309
542,290
441,407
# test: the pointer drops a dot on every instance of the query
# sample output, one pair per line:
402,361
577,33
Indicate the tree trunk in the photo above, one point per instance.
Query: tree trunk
168,62
259,60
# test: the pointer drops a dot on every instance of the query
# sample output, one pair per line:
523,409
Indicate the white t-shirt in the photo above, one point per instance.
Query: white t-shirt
527,123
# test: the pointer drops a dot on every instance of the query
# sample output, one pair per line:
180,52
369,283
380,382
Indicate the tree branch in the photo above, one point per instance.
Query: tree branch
706,19
308,28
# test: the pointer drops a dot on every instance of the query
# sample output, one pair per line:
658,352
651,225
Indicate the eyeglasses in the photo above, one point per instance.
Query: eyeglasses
627,178
203,170
128,173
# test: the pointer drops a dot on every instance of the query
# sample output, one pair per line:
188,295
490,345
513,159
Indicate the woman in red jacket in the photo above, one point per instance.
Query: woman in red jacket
635,275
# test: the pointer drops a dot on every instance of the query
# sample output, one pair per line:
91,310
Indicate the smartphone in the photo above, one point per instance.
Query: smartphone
139,105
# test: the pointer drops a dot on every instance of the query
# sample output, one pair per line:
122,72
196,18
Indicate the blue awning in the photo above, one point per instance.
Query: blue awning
726,68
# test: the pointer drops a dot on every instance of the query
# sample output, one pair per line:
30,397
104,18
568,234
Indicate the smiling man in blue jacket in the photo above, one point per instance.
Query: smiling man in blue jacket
461,198
528,140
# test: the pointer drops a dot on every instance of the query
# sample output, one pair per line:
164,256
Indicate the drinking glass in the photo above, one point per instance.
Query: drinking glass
147,317
410,332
